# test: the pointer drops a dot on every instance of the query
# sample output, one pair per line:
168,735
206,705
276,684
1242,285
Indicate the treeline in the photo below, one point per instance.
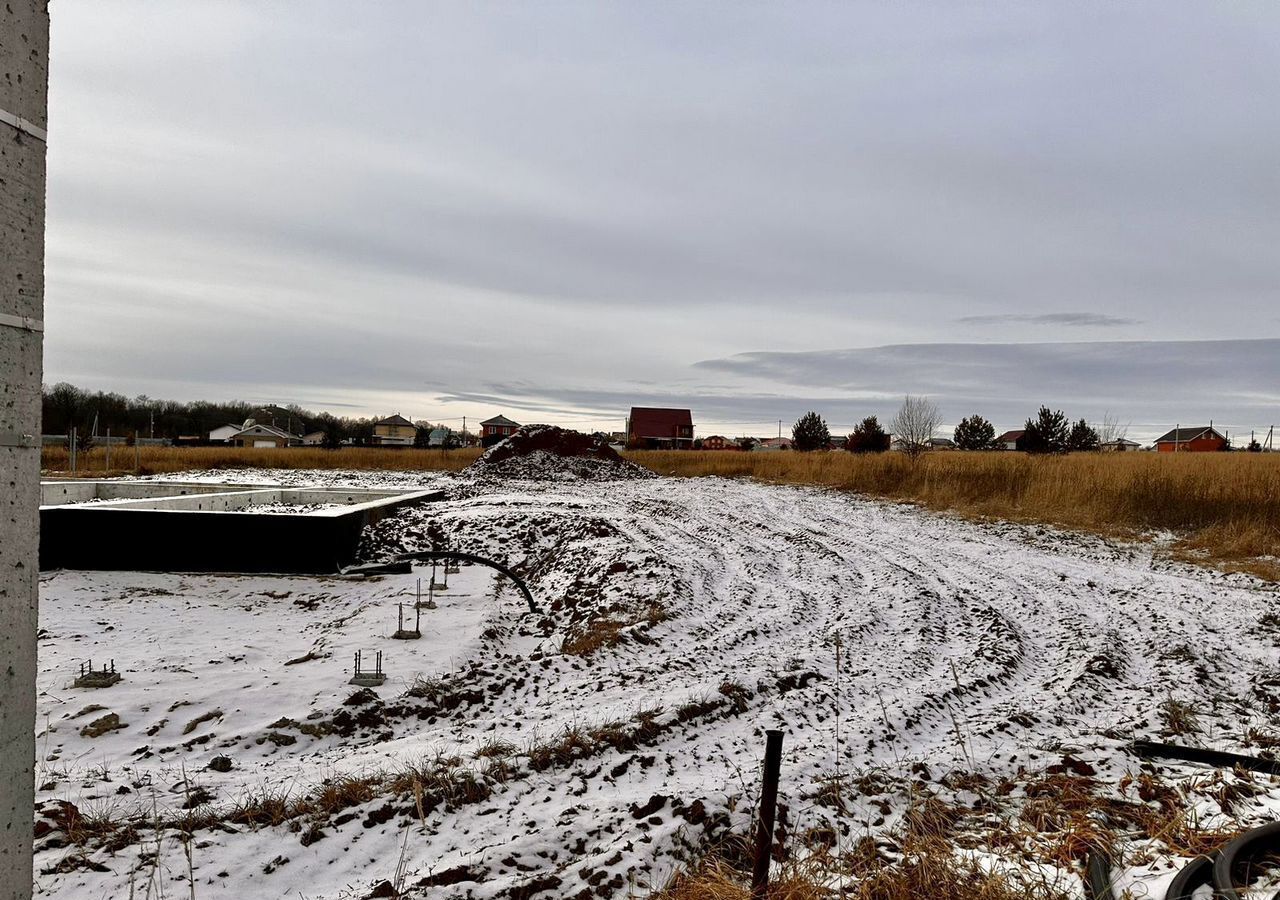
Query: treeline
917,422
66,406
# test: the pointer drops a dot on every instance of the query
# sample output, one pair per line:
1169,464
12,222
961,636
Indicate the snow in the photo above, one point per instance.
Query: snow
994,648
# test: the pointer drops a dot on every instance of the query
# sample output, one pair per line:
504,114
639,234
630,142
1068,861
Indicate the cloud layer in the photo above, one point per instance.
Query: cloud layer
445,208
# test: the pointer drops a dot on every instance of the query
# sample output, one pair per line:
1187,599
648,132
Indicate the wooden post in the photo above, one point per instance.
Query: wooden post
768,810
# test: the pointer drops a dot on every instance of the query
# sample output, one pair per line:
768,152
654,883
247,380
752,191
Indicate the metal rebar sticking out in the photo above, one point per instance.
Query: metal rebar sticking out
768,811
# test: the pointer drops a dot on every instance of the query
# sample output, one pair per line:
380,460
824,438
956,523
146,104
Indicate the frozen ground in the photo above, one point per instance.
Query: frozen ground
698,612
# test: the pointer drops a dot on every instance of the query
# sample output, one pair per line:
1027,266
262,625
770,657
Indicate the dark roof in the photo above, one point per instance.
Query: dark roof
1010,436
658,422
499,420
1183,435
397,419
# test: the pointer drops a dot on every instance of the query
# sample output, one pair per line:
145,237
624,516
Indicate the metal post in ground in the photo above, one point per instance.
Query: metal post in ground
107,465
74,441
768,810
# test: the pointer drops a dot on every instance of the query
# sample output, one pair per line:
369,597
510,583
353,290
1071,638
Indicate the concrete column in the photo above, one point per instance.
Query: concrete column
24,71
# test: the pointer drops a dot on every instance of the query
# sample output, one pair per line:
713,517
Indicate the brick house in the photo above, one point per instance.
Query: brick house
1198,439
719,442
658,428
495,429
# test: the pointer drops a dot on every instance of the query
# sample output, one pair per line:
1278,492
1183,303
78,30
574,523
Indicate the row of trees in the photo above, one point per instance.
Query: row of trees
918,419
914,425
65,406
1048,432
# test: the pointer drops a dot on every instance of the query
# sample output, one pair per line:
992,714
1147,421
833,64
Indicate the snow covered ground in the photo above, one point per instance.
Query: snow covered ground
697,614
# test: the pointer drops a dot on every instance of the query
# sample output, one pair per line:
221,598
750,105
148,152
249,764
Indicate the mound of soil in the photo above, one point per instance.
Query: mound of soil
543,452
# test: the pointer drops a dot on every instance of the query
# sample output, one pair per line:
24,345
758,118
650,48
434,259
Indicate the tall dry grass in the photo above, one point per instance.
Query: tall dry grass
1223,506
166,460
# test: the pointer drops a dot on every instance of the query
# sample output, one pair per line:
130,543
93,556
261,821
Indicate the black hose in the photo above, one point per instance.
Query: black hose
1097,877
480,560
1155,750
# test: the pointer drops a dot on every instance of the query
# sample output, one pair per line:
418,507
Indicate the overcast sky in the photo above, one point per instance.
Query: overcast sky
556,211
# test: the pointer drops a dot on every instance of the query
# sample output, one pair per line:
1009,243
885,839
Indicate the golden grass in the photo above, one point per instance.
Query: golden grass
1224,507
164,460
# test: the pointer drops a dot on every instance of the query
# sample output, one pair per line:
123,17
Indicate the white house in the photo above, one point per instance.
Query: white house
313,439
222,434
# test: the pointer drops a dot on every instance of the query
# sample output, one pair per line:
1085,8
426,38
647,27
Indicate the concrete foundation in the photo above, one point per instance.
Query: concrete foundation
24,75
192,527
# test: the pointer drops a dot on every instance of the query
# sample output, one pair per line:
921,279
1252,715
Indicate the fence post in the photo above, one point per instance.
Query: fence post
107,465
768,810
73,450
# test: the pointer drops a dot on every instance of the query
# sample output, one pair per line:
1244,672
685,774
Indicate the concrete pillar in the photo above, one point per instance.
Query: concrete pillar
24,72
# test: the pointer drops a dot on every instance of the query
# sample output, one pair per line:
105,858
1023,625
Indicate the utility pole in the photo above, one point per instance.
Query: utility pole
24,60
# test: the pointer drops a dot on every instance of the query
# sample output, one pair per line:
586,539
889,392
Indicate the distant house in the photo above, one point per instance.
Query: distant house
252,434
394,431
655,428
313,439
719,442
1119,445
222,434
495,429
778,443
438,437
1198,439
1010,440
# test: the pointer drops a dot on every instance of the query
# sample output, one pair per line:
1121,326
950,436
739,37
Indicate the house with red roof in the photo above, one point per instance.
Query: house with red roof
659,428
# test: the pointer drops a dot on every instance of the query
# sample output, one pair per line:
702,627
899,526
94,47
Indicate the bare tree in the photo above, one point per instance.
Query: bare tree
915,424
1111,430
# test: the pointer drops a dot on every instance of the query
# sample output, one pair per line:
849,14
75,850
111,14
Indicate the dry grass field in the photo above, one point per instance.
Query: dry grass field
165,460
1223,508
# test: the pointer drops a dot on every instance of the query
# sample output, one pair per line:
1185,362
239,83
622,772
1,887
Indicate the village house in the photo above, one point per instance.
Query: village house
438,437
1119,445
313,439
1010,440
657,428
719,442
394,431
253,434
1197,439
222,434
495,429
778,443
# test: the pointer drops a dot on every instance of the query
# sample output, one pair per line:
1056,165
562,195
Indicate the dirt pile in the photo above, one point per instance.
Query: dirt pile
545,452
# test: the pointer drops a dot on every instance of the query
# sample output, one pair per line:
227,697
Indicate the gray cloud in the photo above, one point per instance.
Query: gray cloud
441,208
1149,383
1071,319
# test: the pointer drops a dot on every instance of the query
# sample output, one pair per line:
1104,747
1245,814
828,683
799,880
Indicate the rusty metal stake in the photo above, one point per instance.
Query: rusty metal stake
768,810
